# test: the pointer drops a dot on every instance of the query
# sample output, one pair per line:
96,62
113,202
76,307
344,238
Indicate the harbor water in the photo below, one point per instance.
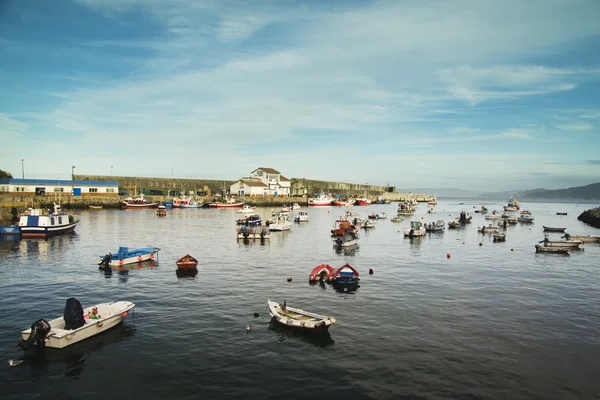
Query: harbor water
451,315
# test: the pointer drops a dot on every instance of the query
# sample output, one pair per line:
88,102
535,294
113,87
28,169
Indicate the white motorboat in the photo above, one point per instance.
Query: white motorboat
397,218
416,229
298,319
367,224
280,222
246,210
55,333
295,206
302,216
584,239
488,229
525,218
42,223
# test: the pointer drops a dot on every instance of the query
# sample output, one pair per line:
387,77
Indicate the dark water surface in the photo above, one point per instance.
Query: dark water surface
487,323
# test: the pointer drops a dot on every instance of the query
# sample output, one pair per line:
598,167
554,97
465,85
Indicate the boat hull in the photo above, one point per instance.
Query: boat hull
551,229
132,206
310,323
587,239
45,231
570,244
226,205
319,203
555,250
60,338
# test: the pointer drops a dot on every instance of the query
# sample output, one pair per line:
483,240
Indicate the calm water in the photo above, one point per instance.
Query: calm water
495,321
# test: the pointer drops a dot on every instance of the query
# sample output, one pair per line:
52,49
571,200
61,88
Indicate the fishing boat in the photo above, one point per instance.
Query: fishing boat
560,243
321,200
76,324
379,215
191,204
438,226
555,250
161,211
342,226
551,229
397,218
350,238
260,233
37,222
585,239
513,205
416,229
95,207
488,229
454,224
362,201
346,275
250,220
499,237
126,256
187,262
323,272
226,205
302,216
137,202
280,222
299,319
493,216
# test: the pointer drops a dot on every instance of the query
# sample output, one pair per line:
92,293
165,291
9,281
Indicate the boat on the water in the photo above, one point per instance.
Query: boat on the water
525,218
561,213
302,217
280,222
137,202
585,239
95,207
187,262
37,222
76,324
350,238
250,220
257,233
246,210
295,206
226,205
397,218
513,205
560,243
322,200
362,201
499,237
346,275
126,256
488,229
323,272
379,215
551,229
438,226
298,319
550,249
161,211
416,229
10,230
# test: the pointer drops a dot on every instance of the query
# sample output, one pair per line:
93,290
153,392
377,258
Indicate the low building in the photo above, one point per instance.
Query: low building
51,187
262,182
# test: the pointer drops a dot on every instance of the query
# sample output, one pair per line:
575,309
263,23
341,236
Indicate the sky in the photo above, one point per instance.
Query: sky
472,94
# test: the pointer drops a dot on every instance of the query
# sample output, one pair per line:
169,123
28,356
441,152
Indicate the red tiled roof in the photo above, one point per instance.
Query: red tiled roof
283,178
254,182
268,170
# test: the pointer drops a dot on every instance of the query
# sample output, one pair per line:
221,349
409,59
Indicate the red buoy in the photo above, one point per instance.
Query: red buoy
448,255
370,271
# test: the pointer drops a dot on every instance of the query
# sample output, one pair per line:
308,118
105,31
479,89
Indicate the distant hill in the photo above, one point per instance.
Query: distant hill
442,192
587,192
4,174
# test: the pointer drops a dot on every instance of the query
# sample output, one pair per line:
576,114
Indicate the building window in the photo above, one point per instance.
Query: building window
110,190
93,190
59,189
51,221
259,173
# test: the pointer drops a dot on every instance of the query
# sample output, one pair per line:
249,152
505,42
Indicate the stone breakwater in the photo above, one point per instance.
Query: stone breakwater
591,217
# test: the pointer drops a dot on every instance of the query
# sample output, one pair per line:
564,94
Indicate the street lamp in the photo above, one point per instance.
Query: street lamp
172,169
72,180
111,167
22,168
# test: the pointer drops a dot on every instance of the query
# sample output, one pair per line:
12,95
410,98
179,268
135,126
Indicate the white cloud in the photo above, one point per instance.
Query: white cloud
577,126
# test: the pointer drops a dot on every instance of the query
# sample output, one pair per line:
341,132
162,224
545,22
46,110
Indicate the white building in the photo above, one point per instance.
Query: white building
50,187
262,182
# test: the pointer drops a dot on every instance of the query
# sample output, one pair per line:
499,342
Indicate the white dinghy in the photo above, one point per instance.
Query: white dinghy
76,324
299,319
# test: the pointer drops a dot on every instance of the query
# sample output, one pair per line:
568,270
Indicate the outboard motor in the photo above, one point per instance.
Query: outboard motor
39,330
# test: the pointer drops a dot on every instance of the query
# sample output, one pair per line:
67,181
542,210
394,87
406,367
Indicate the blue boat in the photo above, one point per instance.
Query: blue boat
126,256
10,230
346,275
252,220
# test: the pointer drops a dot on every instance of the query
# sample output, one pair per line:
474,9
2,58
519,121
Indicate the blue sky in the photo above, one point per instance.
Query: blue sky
480,95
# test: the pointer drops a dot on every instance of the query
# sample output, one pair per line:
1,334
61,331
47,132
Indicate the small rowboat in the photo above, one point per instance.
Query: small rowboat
322,272
585,239
125,256
556,250
499,237
55,333
187,262
551,229
299,319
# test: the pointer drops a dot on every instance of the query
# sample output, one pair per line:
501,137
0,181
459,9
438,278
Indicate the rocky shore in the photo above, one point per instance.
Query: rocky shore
591,217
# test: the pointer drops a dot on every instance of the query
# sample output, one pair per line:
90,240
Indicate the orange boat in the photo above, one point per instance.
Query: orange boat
342,226
187,262
322,272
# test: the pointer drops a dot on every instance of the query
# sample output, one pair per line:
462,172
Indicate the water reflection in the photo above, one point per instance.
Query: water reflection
345,287
45,249
75,356
252,242
346,251
319,339
321,284
186,272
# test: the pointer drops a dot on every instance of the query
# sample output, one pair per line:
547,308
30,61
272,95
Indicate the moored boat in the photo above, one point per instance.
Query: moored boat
161,211
416,229
258,233
126,256
41,223
226,205
298,319
246,209
302,216
438,226
280,222
550,249
362,201
76,324
350,238
346,275
499,237
187,262
10,230
137,202
321,200
323,272
552,229
488,229
585,239
250,220
560,243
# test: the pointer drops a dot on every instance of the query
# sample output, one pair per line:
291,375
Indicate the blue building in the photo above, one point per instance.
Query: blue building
52,187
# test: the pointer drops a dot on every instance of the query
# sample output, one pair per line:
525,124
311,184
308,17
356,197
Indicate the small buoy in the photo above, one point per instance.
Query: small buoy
289,279
120,262
256,315
124,314
447,255
14,363
463,242
139,258
152,256
248,328
481,244
99,324
512,249
370,271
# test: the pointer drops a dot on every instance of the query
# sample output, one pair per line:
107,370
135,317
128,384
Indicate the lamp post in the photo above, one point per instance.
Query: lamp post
172,169
22,168
72,180
111,167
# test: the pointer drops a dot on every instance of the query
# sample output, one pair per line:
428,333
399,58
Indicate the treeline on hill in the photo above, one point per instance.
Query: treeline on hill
4,174
589,192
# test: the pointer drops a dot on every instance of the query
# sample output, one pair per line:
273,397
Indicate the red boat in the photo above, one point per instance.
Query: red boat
363,201
346,274
322,272
187,262
226,205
